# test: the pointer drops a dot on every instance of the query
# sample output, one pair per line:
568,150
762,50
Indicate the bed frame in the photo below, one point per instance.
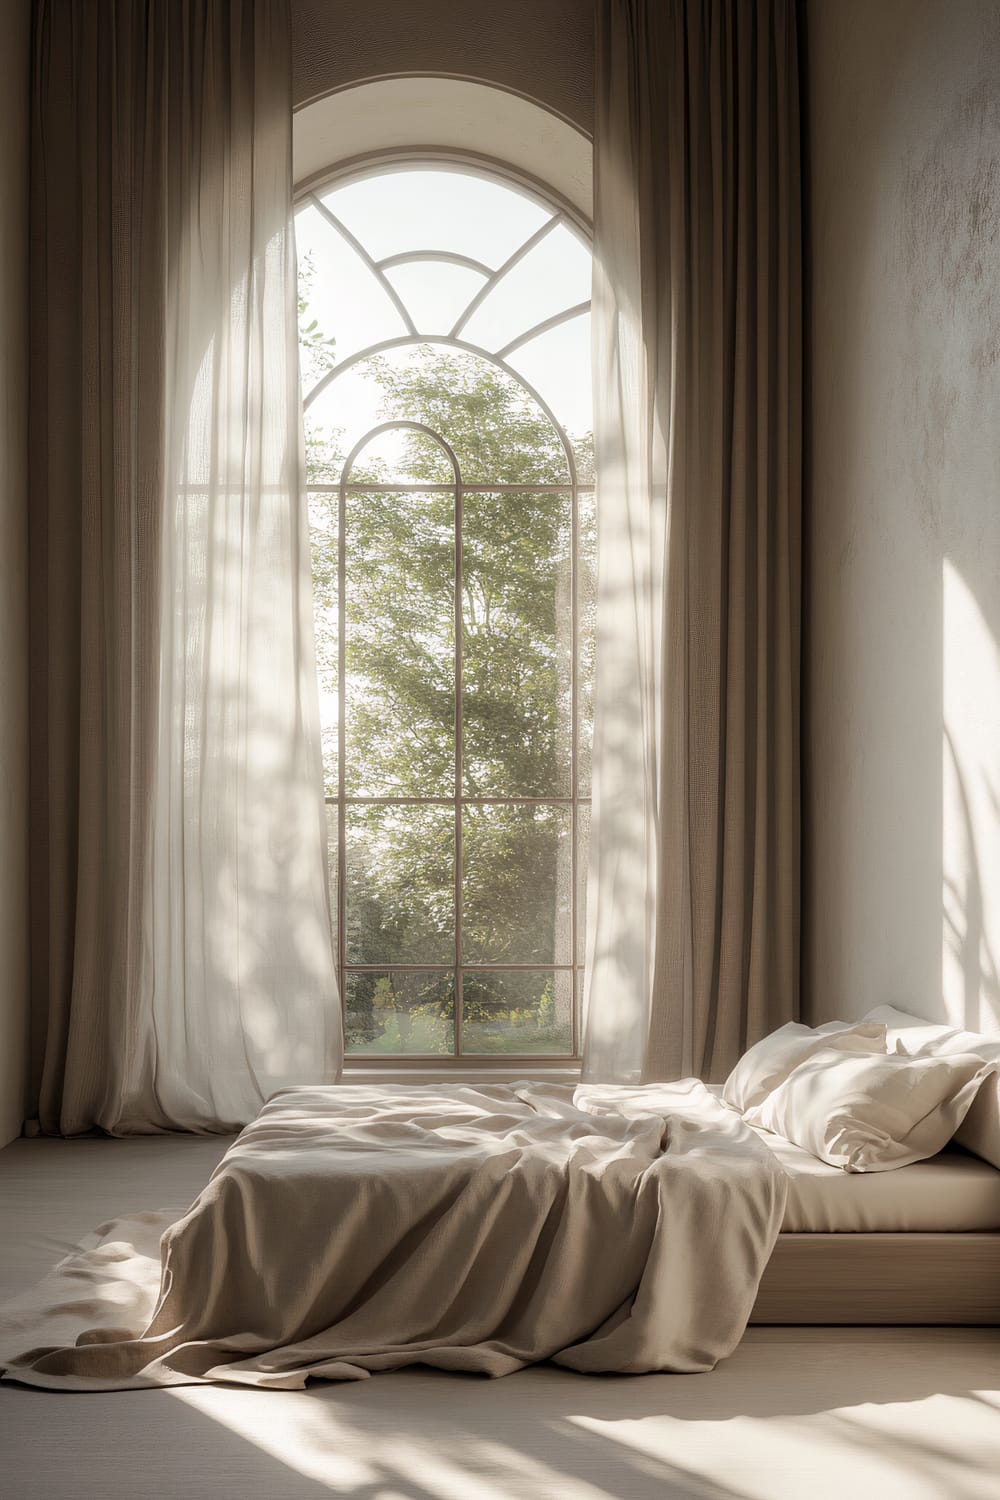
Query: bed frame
882,1279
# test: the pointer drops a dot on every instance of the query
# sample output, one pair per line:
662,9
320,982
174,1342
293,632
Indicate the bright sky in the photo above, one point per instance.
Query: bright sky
407,210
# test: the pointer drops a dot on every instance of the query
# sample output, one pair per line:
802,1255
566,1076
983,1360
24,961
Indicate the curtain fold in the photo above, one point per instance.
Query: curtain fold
693,904
181,957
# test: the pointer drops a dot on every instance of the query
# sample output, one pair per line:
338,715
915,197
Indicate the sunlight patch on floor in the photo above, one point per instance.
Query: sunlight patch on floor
884,1450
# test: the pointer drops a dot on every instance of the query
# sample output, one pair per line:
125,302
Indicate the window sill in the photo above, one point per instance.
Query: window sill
425,1071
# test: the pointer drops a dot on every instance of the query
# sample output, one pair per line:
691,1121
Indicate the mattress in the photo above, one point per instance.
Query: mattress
953,1192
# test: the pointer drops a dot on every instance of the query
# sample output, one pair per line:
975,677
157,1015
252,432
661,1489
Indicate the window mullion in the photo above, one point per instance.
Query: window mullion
574,788
459,770
342,747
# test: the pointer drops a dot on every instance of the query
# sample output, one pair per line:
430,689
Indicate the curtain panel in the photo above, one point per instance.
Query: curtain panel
181,957
693,904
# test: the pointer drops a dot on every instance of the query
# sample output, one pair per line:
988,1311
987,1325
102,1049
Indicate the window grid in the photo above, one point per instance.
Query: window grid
459,801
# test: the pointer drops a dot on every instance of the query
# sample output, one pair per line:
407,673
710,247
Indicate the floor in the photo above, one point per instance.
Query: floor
795,1414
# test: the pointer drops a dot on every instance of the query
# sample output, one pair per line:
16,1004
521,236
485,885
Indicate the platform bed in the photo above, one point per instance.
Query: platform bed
917,1246
882,1279
356,1229
920,1245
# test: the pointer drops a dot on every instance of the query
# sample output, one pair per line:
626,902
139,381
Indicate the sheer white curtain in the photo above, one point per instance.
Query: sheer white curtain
240,980
202,973
693,893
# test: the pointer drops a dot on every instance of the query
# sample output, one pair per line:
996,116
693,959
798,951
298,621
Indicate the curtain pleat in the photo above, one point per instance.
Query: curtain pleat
693,907
181,958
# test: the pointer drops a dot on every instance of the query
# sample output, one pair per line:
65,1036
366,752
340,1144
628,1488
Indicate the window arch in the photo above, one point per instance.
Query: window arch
445,351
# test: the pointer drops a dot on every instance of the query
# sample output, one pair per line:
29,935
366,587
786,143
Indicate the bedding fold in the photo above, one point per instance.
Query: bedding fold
353,1229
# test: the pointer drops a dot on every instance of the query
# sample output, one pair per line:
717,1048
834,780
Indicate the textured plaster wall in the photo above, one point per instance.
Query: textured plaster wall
542,48
902,743
13,561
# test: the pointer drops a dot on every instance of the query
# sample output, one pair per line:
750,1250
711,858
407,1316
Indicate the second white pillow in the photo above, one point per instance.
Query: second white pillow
980,1130
770,1060
872,1113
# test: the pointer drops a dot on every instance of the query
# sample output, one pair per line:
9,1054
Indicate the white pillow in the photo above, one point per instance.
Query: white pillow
871,1113
979,1132
770,1060
910,1034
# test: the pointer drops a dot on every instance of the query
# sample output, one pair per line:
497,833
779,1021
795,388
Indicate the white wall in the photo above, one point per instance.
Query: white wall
13,562
541,48
391,114
902,742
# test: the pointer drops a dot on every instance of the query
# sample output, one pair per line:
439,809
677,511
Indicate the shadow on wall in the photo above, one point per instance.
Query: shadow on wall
970,813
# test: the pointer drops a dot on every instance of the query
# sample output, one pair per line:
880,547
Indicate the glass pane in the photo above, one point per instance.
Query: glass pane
586,598
338,419
557,366
403,456
388,1013
582,852
583,453
400,601
435,293
517,1012
428,209
325,447
552,277
323,538
343,307
333,870
400,885
516,884
517,644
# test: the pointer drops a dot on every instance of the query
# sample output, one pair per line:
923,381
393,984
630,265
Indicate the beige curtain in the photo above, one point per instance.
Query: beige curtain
182,965
693,915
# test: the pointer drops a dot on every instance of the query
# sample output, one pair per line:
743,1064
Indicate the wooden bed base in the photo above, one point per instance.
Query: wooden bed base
882,1279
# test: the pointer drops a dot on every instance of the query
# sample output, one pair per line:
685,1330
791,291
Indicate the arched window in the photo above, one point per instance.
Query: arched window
446,382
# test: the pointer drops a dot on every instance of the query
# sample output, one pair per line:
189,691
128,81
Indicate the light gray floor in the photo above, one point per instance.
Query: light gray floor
795,1414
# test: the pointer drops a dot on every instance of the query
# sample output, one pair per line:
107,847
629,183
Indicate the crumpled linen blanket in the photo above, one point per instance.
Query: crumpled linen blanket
358,1228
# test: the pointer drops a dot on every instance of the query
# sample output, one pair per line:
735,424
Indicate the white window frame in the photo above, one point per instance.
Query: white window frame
560,212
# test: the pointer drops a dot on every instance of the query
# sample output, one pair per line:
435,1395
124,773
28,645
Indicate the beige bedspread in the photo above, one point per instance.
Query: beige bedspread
360,1228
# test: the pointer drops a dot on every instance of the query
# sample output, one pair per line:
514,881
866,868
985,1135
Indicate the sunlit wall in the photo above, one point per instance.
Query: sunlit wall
902,740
